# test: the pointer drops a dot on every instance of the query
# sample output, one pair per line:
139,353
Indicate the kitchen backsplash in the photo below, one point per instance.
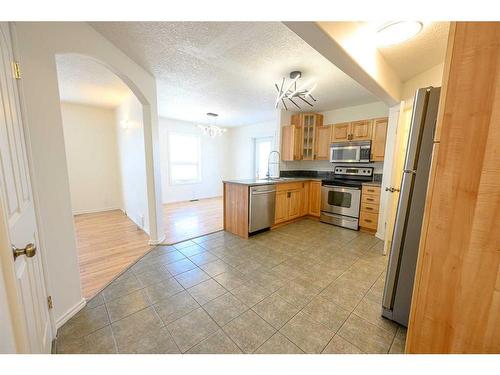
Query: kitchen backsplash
323,165
377,177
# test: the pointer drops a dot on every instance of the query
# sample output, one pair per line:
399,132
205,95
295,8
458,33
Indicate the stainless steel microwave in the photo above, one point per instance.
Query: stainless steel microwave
350,152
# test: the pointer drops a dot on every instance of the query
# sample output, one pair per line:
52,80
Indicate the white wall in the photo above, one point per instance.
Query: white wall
214,163
92,157
242,143
36,45
132,162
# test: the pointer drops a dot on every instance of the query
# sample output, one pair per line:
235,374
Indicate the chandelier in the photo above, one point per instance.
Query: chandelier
294,93
212,130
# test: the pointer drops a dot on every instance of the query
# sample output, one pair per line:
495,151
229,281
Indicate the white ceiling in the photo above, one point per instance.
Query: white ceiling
227,67
420,53
83,80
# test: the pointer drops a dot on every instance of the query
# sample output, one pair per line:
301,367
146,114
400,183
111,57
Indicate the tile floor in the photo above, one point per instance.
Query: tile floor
307,287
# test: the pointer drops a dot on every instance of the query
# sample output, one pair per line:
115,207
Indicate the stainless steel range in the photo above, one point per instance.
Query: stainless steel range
341,196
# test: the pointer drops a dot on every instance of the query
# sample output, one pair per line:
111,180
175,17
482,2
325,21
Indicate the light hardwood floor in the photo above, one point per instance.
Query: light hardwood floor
109,242
185,220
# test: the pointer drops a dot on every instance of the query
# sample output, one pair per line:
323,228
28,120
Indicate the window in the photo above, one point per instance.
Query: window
263,146
184,158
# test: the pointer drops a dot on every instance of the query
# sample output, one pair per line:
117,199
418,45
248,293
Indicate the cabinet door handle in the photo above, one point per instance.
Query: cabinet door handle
368,220
370,199
369,208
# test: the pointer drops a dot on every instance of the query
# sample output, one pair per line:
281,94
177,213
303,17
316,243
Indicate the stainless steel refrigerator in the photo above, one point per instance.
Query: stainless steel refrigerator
405,240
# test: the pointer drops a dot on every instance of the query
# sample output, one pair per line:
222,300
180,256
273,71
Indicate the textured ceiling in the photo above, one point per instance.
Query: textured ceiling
228,67
83,80
422,52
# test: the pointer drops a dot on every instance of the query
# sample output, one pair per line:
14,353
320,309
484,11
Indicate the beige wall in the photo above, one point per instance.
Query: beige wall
431,77
92,157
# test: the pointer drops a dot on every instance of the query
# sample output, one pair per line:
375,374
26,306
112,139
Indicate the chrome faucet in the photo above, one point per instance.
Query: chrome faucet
268,174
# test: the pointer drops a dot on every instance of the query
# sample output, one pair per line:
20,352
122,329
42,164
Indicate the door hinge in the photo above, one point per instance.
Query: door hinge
17,70
49,302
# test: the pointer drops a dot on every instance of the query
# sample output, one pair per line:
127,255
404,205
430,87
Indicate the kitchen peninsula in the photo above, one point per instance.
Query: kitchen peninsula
266,203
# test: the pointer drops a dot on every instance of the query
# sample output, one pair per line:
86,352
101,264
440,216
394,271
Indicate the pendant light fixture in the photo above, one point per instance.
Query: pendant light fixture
293,92
211,129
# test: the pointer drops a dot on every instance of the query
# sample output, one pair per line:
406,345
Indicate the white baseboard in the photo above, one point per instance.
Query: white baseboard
157,242
70,313
94,210
380,236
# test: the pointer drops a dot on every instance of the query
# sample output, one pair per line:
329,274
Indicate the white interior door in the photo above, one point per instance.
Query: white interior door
17,208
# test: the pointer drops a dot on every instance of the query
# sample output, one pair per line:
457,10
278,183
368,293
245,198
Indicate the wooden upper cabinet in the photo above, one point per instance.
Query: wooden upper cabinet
310,122
315,198
361,130
291,143
340,132
379,136
322,143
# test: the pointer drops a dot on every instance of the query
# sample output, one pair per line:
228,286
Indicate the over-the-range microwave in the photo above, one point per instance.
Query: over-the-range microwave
350,152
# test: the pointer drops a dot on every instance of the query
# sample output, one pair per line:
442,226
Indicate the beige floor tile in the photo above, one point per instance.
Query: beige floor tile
189,251
225,308
249,331
143,332
182,245
398,345
278,344
191,278
250,293
191,329
153,275
365,335
98,342
344,293
216,267
230,280
275,310
97,300
217,343
203,258
170,257
175,307
268,280
372,312
85,322
180,266
121,287
338,345
307,334
327,313
121,307
297,294
206,291
163,289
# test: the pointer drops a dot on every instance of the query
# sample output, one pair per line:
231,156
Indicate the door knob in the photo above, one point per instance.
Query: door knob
29,251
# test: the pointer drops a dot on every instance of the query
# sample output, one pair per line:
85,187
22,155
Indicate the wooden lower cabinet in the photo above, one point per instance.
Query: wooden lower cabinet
294,204
281,208
370,201
297,199
315,198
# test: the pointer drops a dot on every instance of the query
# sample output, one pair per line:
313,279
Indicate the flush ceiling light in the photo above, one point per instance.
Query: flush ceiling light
295,93
211,129
397,32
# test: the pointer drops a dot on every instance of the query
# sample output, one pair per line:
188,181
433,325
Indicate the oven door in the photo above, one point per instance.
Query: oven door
345,154
341,200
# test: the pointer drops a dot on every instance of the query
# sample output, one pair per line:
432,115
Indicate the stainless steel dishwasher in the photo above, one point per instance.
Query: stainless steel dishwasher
262,201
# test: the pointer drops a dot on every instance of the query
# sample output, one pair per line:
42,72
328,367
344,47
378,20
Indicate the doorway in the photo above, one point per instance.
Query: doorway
262,150
105,157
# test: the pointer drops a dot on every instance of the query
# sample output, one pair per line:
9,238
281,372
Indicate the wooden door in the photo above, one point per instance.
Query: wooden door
288,142
323,141
304,204
398,160
456,298
341,132
294,203
315,198
281,207
379,136
29,299
361,130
